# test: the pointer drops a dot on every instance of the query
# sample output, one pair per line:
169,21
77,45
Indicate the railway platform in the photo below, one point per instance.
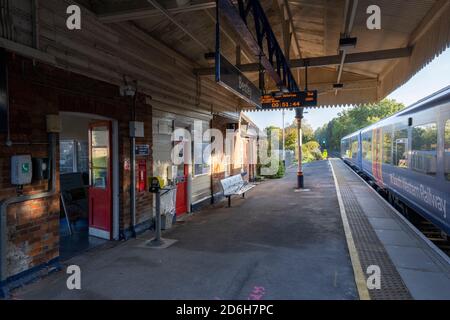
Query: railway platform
411,266
277,243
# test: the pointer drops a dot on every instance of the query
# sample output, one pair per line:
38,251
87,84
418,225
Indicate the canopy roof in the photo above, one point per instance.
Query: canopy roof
413,33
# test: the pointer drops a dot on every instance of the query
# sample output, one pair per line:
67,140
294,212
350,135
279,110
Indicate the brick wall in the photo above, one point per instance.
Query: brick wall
36,90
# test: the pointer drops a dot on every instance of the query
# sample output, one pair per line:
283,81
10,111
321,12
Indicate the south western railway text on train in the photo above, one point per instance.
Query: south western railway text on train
420,192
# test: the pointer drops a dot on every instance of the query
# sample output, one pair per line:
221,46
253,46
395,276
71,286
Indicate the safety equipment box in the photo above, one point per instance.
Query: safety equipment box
21,170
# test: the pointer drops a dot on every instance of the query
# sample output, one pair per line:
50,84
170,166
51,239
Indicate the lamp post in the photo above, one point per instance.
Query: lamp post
299,117
284,141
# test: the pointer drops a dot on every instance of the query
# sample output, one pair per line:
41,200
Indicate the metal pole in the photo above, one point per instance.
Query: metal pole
157,239
133,186
284,141
218,54
299,117
133,171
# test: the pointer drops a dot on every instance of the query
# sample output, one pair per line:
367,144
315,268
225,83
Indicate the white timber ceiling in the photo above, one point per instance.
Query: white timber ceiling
314,28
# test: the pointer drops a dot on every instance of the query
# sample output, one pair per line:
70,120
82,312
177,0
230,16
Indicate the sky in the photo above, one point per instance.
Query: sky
430,79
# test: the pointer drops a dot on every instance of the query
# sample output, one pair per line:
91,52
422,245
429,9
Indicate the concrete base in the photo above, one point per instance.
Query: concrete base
302,190
164,244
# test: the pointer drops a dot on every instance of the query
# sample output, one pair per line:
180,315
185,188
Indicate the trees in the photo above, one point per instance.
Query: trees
310,149
354,119
291,134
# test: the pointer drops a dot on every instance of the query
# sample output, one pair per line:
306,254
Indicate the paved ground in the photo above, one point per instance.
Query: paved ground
413,260
276,244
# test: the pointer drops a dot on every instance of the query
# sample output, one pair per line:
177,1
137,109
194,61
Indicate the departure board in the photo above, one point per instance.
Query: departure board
289,100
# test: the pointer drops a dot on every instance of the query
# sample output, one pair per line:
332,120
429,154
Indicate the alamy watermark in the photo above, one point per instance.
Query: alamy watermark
211,147
73,21
374,277
74,280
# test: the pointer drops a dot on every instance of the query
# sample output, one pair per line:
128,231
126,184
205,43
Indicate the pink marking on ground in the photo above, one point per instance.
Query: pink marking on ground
257,293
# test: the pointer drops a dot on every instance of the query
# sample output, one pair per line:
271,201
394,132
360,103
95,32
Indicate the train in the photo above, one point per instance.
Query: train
407,157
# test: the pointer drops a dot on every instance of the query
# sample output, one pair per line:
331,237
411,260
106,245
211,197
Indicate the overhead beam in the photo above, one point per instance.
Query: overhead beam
149,12
169,16
435,13
227,33
235,20
347,30
307,3
328,60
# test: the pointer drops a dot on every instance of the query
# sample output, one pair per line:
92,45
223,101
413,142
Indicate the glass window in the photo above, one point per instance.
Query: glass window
202,158
447,150
387,145
99,167
345,148
74,156
355,148
82,156
400,147
424,146
66,156
367,146
100,157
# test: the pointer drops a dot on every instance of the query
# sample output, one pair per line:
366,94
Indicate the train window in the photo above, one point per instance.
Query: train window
387,145
400,148
354,148
367,146
345,148
424,146
447,150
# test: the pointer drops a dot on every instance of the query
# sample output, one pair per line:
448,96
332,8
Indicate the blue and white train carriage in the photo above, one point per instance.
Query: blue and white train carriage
408,155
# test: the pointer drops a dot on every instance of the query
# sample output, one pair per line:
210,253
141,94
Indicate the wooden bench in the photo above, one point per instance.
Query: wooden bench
235,185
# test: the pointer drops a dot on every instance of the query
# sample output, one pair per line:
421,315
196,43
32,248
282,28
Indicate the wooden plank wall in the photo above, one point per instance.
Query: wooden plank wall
110,52
162,147
17,24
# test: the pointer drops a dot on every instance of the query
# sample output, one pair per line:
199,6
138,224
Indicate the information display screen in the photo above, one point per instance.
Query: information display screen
290,100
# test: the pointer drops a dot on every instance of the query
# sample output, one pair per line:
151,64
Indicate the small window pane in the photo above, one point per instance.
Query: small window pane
99,167
345,149
202,158
99,178
447,150
367,146
387,146
83,156
66,158
400,148
424,145
100,137
355,148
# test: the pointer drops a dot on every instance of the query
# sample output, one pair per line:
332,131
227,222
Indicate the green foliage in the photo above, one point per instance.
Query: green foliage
311,151
280,173
291,134
354,119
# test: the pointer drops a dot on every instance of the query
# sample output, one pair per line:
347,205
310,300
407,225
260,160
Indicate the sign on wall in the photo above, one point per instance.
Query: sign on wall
3,92
232,79
142,150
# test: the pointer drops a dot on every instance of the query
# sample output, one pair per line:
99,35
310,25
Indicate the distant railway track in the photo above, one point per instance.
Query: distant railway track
429,230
